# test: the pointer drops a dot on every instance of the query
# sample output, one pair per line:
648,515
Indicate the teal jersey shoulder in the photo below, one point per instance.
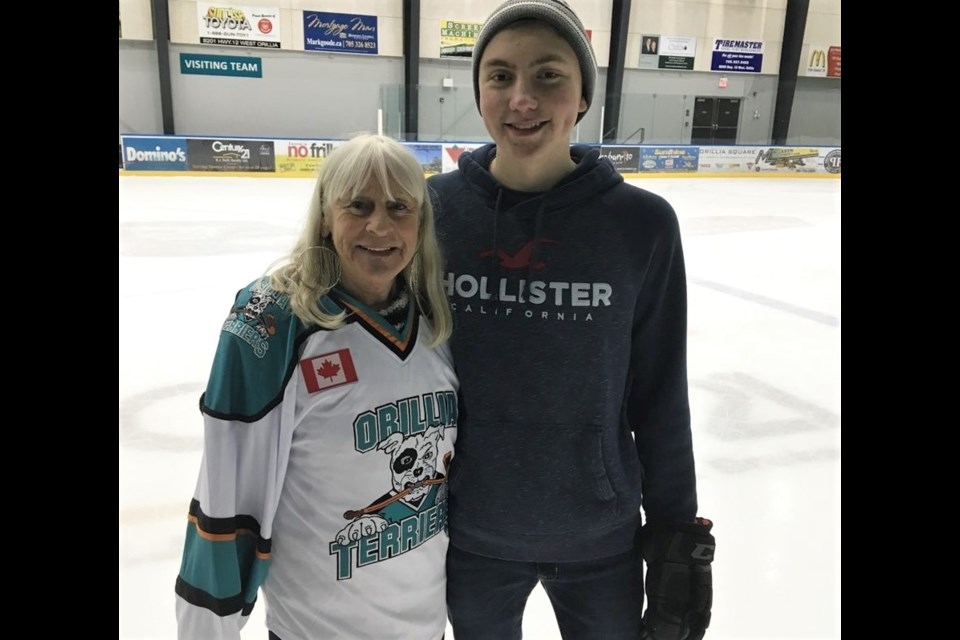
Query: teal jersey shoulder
257,349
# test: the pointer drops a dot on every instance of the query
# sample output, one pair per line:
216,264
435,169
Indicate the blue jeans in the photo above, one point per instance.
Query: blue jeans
594,600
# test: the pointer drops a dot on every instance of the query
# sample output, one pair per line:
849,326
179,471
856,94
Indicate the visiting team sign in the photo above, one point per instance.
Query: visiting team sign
203,65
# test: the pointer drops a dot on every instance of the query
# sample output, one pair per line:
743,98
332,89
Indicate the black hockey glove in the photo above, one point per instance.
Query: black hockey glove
679,584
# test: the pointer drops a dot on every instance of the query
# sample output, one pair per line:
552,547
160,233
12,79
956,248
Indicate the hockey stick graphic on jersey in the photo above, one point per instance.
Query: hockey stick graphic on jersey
354,514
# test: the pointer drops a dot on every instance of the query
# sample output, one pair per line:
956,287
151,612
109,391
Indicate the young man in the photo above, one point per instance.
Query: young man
569,298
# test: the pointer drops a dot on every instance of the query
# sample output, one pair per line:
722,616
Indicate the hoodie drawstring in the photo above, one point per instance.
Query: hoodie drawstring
495,257
535,253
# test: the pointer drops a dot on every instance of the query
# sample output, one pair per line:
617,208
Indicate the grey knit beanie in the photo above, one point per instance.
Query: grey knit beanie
555,13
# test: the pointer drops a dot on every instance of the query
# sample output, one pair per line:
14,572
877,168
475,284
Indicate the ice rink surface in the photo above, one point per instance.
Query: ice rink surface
763,266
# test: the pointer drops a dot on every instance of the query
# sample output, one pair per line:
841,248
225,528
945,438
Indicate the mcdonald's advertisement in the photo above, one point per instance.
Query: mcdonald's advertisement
821,61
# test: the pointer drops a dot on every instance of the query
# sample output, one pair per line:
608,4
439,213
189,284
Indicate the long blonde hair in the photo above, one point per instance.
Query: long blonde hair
313,267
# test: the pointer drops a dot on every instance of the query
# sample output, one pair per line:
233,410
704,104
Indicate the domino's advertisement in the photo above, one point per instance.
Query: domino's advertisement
154,154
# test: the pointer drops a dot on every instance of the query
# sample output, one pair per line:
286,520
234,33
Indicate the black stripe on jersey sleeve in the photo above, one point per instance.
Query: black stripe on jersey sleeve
229,525
220,606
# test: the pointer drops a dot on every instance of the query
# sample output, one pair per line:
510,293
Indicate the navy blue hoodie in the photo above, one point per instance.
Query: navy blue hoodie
570,343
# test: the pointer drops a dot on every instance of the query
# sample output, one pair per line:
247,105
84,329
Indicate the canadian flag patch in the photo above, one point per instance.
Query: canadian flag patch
329,370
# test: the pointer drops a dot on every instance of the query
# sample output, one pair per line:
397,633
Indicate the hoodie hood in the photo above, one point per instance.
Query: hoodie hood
592,175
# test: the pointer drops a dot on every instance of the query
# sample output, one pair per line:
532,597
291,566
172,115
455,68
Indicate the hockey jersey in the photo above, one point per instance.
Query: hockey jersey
323,479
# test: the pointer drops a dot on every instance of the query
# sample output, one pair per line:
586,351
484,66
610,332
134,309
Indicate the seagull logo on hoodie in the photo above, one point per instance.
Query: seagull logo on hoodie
521,259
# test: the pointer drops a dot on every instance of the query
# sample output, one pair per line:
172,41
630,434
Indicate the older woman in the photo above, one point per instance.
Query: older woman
330,417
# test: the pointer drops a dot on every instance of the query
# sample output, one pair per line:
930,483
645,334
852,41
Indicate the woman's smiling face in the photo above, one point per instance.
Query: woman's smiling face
375,238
